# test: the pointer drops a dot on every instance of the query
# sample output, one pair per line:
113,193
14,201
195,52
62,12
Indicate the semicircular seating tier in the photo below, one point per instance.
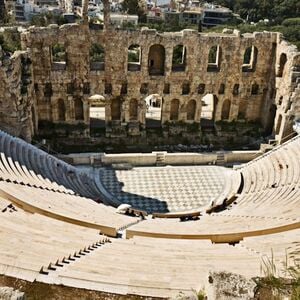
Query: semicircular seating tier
49,233
23,163
40,183
35,247
269,202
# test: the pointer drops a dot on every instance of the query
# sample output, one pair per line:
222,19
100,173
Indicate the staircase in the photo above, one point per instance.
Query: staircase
220,159
60,263
160,158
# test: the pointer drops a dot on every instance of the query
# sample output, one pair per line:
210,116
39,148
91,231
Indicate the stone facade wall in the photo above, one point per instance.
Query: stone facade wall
62,90
17,106
287,85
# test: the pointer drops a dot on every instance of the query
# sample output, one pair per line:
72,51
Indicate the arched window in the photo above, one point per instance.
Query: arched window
242,110
185,88
179,58
133,110
250,59
221,89
278,125
236,89
48,89
226,109
156,60
61,110
201,88
116,109
214,59
174,111
254,89
134,58
123,88
166,88
58,53
107,88
59,57
78,109
282,62
97,57
191,110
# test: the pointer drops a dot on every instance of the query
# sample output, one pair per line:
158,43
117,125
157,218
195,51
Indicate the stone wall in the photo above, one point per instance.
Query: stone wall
155,158
17,107
287,99
244,92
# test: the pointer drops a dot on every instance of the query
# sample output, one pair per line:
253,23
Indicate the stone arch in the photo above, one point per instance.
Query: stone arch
236,89
97,114
58,57
282,62
185,88
58,52
133,110
78,109
174,110
134,57
209,107
242,110
254,89
154,107
201,89
116,109
179,58
250,59
61,110
156,60
270,119
278,125
226,109
97,57
214,59
191,110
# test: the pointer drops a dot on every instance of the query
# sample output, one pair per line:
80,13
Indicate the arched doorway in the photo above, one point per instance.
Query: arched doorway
97,115
78,109
282,62
61,110
156,60
154,105
174,110
191,110
209,103
133,110
226,110
116,109
242,110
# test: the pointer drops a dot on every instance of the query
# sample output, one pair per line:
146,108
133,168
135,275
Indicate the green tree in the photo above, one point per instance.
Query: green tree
135,7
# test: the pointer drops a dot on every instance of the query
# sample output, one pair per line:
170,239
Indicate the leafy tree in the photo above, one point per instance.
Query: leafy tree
255,10
97,53
135,7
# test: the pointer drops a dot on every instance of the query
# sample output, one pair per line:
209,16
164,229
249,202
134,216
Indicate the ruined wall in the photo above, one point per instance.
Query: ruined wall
287,85
226,79
247,92
17,107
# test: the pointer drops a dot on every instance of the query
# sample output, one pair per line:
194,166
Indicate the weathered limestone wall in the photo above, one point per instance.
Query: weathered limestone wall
17,107
253,92
287,98
77,73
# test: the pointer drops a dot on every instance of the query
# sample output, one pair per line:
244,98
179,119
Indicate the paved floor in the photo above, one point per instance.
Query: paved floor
164,189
